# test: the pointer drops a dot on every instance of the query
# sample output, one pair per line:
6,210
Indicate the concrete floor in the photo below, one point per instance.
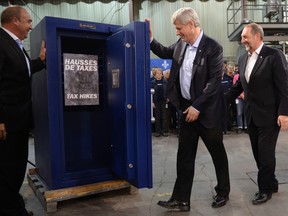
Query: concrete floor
143,202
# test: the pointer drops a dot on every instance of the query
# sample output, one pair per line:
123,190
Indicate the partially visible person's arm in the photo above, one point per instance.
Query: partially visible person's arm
3,132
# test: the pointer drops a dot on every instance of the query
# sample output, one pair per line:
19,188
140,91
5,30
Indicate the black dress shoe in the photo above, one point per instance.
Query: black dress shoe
157,134
261,198
30,213
219,201
174,204
274,190
165,134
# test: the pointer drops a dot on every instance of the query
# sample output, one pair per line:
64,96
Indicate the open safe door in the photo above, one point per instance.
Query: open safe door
129,102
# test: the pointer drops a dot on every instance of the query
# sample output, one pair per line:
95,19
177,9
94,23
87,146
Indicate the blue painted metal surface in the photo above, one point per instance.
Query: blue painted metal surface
87,144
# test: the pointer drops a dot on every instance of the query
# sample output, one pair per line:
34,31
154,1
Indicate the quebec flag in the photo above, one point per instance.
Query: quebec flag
164,64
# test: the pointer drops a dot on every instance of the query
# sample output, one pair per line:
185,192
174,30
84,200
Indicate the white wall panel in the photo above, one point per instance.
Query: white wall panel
212,15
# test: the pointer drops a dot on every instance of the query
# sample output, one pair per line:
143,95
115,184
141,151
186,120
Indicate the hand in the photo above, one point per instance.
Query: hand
192,114
150,28
283,122
42,54
3,132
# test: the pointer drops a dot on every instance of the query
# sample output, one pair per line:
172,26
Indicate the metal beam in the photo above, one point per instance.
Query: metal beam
275,38
131,10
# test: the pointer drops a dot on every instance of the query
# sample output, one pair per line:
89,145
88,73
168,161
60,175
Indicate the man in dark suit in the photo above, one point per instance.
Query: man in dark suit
195,87
264,79
16,69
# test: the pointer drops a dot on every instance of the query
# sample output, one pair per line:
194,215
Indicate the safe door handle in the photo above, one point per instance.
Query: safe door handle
152,117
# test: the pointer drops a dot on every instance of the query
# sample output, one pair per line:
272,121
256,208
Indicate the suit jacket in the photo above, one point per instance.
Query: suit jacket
156,95
266,94
15,85
205,91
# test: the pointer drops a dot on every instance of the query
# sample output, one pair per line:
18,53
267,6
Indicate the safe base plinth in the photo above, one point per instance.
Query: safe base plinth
50,198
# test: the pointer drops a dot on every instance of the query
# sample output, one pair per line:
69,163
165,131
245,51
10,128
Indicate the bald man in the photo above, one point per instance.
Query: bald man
16,69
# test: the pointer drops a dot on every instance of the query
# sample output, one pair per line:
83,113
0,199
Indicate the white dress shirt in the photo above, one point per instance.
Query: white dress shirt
252,58
187,66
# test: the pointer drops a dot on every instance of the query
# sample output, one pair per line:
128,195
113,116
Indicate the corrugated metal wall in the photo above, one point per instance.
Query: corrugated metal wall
212,15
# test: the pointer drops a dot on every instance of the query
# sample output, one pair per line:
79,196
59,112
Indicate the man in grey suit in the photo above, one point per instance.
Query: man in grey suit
16,70
194,87
264,79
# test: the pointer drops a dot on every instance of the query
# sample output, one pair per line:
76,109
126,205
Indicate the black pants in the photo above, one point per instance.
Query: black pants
263,142
161,124
188,143
13,163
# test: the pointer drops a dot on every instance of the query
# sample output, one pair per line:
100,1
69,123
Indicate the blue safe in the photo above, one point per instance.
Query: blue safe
92,103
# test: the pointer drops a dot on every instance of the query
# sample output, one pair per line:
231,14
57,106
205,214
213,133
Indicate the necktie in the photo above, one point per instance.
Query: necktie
20,44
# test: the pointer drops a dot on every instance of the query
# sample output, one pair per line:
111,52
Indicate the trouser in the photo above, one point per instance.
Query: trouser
188,143
161,125
263,142
241,120
13,163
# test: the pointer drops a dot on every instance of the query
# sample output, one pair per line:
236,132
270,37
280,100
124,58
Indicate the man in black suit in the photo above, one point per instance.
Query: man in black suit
16,69
264,79
195,87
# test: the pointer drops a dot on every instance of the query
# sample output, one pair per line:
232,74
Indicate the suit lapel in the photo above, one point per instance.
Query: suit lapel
13,44
257,63
198,60
180,52
243,70
26,54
